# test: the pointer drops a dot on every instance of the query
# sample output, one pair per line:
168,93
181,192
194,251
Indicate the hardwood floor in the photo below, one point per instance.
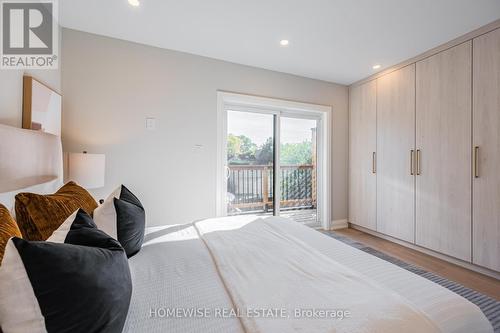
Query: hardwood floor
481,283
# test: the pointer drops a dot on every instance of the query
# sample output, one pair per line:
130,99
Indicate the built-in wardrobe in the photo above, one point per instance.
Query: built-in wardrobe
424,152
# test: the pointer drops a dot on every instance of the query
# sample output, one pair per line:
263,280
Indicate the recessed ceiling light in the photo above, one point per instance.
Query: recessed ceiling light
284,42
134,3
376,66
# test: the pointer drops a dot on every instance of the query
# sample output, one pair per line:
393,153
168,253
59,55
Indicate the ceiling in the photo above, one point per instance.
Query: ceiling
331,40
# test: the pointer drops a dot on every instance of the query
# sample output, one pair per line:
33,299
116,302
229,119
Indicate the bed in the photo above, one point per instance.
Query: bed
175,261
205,276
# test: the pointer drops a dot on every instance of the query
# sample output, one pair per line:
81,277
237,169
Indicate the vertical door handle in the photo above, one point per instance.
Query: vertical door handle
418,162
412,162
374,162
476,162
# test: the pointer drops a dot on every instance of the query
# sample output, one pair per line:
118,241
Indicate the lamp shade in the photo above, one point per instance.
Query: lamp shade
87,169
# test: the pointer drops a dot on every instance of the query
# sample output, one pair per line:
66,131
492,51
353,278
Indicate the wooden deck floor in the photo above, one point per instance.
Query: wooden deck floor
304,216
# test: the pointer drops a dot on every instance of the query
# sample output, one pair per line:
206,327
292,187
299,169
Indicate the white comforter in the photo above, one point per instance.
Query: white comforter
276,281
176,270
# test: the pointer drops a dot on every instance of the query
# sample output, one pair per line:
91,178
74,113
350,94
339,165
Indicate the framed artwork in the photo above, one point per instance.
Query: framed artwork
42,107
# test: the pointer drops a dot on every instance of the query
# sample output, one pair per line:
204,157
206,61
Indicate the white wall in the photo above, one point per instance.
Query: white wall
109,88
11,90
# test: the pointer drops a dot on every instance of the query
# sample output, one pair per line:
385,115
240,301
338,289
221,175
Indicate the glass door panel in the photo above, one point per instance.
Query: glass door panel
250,162
298,169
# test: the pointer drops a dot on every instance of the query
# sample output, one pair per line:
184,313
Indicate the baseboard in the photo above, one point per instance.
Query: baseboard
441,256
339,224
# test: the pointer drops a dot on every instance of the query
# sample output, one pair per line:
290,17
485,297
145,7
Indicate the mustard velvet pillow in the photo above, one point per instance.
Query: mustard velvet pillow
38,216
8,229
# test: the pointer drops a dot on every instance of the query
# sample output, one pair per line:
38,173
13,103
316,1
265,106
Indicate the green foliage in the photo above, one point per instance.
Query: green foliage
241,150
233,146
247,146
265,153
296,153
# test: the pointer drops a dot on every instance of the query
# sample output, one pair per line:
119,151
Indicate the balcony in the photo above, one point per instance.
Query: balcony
250,191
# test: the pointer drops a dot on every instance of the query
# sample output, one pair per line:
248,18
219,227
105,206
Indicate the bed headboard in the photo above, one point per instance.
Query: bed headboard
28,158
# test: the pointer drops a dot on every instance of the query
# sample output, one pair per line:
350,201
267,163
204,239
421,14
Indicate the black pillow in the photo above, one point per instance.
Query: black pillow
122,216
81,285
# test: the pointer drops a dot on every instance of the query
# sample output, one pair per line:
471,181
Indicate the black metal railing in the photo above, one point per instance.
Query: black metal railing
250,187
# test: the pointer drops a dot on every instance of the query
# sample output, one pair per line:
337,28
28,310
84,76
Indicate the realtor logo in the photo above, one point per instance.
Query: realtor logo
29,34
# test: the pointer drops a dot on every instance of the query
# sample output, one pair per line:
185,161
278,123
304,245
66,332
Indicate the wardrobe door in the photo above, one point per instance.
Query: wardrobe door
362,146
443,186
396,153
486,142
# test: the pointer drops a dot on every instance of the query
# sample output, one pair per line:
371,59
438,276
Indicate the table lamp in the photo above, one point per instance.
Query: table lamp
87,169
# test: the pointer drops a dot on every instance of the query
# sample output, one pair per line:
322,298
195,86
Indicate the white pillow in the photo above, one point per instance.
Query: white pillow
79,280
16,290
59,235
105,214
122,217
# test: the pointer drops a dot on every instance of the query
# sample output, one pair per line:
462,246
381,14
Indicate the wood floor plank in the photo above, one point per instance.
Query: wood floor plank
479,282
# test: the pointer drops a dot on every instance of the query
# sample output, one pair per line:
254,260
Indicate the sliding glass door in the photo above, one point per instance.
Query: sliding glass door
298,169
271,164
250,162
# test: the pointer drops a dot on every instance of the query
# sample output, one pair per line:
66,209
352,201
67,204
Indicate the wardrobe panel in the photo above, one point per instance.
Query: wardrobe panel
443,142
362,148
486,137
396,153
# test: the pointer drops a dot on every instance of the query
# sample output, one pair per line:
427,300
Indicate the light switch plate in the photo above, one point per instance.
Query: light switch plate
150,124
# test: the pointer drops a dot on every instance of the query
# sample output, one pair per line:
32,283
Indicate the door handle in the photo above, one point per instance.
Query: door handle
412,162
374,162
476,162
418,162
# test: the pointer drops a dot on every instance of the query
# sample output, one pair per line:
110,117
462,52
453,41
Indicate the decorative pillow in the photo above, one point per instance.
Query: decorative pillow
122,216
8,229
81,285
8,199
39,215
